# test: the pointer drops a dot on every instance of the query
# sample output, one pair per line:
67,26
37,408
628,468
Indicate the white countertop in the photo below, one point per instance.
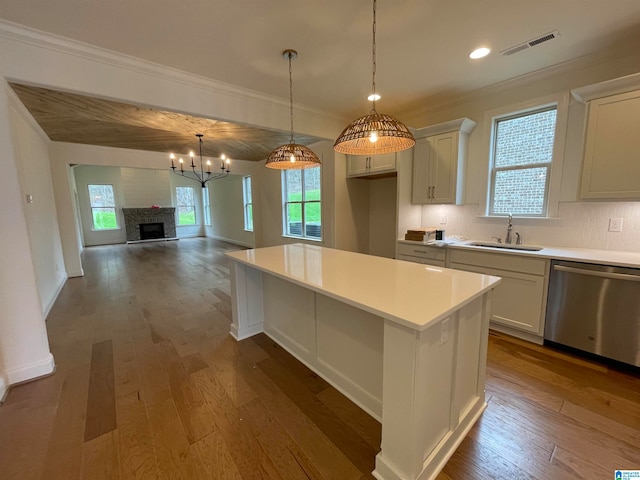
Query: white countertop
412,294
587,255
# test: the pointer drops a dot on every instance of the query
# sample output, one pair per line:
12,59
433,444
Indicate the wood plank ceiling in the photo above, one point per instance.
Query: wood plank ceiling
69,117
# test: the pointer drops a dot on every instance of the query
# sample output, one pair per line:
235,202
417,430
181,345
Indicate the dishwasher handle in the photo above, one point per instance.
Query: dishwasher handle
596,273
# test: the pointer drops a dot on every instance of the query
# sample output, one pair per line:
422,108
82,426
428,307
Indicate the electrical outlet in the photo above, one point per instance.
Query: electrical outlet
443,220
444,332
615,224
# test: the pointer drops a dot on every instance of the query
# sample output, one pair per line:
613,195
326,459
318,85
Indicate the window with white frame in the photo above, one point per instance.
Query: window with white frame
103,207
248,203
206,206
186,205
521,161
301,201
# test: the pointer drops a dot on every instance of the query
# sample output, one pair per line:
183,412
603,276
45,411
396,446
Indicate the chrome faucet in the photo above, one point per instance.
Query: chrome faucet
509,227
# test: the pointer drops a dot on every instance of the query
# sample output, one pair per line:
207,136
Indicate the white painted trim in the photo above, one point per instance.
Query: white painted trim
49,41
465,125
4,389
230,240
47,308
31,371
21,110
434,104
607,88
250,331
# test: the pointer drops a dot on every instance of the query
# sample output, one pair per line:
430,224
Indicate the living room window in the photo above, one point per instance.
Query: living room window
248,203
521,160
186,205
103,207
301,203
206,206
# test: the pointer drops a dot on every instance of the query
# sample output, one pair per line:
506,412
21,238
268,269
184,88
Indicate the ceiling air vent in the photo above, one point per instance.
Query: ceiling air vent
531,43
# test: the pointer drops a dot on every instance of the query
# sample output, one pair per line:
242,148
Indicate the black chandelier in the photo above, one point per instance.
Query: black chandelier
201,176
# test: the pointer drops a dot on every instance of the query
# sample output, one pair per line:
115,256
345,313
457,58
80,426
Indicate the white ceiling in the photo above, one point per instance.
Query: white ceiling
422,44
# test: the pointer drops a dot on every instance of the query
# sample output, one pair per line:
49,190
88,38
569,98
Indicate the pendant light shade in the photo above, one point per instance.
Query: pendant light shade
292,156
375,133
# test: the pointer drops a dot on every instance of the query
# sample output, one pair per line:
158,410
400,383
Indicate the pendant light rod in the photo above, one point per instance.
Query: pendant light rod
373,57
290,55
375,133
292,155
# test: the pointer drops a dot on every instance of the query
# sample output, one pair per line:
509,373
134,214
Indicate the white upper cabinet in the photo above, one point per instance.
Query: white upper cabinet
438,162
611,166
365,165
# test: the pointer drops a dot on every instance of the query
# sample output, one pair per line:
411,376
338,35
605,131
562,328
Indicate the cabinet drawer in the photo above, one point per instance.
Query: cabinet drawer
424,261
421,251
503,261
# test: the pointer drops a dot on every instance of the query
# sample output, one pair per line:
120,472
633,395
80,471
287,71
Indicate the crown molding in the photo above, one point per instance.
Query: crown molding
607,88
49,41
547,72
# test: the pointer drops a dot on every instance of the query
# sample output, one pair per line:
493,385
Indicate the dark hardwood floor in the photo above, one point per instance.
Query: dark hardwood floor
149,384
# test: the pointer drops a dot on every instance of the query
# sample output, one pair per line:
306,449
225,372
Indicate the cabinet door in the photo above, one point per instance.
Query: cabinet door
518,301
357,165
612,148
421,192
435,169
382,163
444,167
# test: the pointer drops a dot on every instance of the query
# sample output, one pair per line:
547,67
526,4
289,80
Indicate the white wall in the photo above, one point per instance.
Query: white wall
227,211
31,148
382,217
94,175
267,186
581,224
24,348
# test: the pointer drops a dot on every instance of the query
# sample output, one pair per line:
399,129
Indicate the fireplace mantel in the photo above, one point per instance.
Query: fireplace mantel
133,217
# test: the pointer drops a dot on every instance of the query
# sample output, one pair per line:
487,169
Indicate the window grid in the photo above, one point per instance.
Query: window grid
103,207
248,203
302,203
206,206
522,156
186,206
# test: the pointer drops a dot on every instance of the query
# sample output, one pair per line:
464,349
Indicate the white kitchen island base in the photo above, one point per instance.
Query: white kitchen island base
417,365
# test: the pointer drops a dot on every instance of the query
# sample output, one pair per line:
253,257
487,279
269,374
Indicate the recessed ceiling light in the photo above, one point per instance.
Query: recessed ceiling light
374,97
479,53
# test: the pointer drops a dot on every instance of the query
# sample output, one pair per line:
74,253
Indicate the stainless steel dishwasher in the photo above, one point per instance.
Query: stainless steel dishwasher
595,308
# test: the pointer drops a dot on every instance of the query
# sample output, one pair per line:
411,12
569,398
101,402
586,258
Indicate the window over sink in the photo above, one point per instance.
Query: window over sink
521,160
525,145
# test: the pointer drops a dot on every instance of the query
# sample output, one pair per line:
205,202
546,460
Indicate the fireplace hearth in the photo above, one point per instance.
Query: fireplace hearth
145,224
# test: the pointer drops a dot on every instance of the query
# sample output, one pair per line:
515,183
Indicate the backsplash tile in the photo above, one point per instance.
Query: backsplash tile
579,225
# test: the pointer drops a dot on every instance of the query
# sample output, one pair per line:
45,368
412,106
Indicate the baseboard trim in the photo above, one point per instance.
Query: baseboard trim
33,371
4,390
49,305
231,240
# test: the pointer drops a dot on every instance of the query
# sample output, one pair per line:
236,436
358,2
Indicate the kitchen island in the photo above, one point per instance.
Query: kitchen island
405,342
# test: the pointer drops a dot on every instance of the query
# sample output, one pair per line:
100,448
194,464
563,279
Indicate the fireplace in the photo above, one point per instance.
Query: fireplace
151,231
149,223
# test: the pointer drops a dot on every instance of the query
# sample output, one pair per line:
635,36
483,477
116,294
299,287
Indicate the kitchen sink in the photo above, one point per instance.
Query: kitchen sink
506,246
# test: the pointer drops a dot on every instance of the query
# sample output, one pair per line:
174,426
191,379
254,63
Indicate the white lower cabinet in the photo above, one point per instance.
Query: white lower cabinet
519,302
414,252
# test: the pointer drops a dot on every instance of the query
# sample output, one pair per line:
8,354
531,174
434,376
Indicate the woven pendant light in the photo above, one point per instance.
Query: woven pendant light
292,156
374,133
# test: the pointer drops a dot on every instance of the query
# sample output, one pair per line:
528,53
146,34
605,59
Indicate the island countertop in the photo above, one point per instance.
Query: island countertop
411,294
